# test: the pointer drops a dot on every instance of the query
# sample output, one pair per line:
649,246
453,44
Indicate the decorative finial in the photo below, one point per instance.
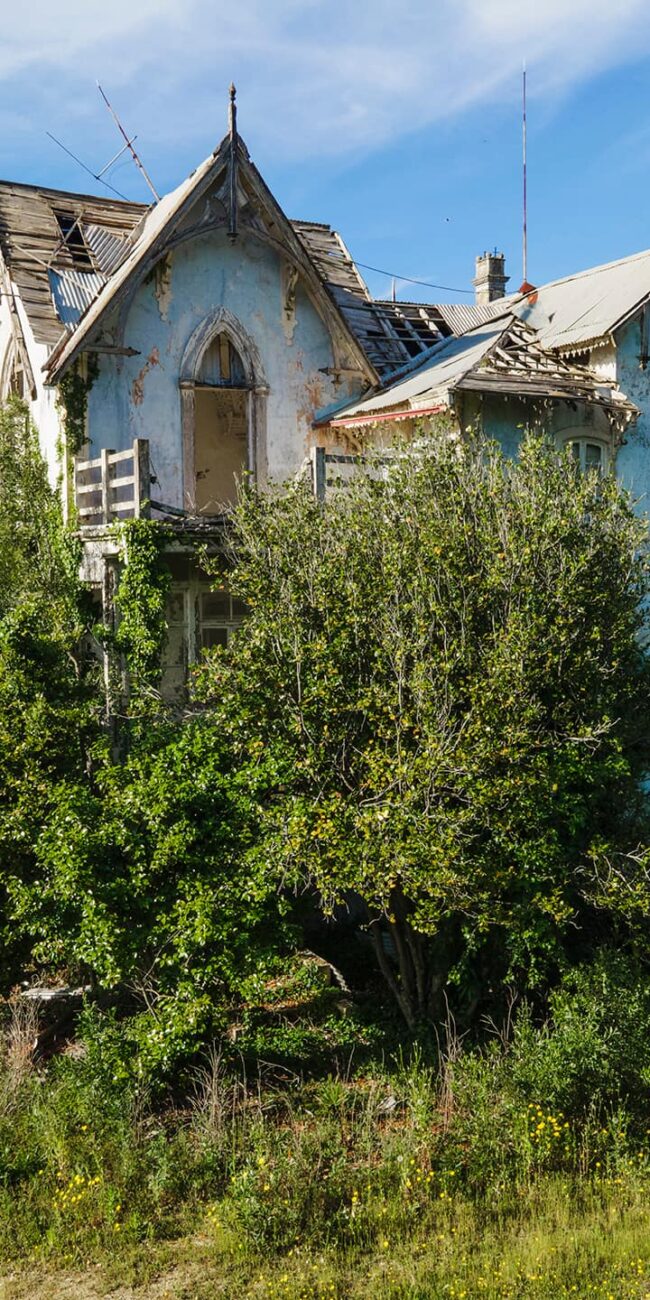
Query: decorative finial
232,109
232,168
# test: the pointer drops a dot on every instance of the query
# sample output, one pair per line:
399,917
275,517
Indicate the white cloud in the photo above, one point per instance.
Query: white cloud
334,78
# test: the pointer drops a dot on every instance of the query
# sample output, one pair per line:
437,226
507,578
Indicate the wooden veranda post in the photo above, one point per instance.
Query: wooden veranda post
319,472
105,455
141,479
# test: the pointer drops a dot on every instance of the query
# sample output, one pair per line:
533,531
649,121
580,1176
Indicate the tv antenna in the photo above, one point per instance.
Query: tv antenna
97,176
525,178
129,145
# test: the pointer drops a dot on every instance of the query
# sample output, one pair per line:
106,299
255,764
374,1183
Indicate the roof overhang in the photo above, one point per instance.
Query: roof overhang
381,417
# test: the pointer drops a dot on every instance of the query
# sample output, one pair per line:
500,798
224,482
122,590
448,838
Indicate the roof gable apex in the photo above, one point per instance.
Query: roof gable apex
171,217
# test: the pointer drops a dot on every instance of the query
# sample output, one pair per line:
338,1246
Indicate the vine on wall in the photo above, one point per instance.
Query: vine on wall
73,392
141,599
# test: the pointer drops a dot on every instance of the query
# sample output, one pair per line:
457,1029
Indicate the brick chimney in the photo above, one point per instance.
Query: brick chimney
490,280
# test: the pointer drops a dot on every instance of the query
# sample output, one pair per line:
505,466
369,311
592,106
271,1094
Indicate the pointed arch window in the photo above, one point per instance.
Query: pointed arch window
13,382
221,426
223,412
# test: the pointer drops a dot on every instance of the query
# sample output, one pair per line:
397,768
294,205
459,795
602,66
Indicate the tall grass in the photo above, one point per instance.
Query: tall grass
518,1169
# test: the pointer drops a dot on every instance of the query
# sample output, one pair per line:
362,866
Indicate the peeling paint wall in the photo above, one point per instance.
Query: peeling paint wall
139,396
43,407
506,419
633,459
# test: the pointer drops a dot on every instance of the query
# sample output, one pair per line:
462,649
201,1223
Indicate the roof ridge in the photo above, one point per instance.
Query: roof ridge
589,270
73,194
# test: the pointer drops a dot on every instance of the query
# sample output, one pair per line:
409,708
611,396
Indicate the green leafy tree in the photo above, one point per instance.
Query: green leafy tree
48,710
445,667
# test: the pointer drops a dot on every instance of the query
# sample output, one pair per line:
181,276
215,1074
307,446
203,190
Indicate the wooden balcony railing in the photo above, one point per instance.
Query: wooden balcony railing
115,485
334,470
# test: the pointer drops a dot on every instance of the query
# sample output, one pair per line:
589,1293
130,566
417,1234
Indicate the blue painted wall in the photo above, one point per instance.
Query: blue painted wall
139,396
633,459
506,419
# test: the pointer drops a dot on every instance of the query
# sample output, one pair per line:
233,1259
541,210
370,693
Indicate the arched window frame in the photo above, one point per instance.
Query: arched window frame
12,366
218,322
580,441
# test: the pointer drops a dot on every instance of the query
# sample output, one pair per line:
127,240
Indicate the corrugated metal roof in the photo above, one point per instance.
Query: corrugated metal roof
503,356
72,292
585,307
433,378
106,247
460,317
31,240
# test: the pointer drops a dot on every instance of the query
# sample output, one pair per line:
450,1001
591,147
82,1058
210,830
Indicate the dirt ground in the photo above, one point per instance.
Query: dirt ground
181,1271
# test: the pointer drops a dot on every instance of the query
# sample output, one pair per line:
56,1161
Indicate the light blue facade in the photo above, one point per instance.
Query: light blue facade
633,458
207,277
506,418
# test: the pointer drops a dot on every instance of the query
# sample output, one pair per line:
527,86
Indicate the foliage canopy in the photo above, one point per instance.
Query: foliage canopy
446,663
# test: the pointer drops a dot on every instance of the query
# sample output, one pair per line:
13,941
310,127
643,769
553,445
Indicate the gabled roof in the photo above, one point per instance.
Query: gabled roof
43,266
158,226
582,309
502,356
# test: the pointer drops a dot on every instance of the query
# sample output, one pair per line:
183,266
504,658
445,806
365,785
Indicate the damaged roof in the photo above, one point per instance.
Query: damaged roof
583,309
60,249
503,356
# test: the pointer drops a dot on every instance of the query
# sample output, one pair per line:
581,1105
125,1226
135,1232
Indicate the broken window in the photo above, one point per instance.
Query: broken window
221,415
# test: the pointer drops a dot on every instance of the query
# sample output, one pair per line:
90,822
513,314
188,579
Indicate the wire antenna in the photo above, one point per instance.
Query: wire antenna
97,176
525,179
129,145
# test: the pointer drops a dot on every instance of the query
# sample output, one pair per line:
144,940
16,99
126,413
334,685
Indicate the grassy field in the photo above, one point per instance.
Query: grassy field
552,1241
509,1170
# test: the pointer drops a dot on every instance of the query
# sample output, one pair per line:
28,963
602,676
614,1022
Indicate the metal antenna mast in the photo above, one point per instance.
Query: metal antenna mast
129,145
525,180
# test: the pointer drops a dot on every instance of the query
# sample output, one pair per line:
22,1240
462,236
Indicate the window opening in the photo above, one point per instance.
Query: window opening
73,239
14,383
588,454
221,415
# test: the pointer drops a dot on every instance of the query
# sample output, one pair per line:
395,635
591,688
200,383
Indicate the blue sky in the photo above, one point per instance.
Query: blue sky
397,122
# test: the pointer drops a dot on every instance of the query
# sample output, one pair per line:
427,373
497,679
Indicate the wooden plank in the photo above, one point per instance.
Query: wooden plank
128,481
82,489
319,475
114,457
106,503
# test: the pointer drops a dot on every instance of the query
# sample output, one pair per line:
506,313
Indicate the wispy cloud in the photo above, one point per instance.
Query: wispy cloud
327,78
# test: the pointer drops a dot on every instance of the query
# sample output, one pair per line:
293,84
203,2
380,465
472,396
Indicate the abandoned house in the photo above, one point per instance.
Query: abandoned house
165,351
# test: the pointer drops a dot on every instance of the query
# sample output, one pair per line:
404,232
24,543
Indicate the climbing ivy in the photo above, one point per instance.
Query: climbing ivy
73,392
141,599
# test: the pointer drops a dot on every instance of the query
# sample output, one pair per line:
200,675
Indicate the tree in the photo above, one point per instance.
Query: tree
444,665
48,708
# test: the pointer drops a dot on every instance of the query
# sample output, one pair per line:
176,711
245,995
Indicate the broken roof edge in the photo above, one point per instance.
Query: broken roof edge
571,383
436,352
75,196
